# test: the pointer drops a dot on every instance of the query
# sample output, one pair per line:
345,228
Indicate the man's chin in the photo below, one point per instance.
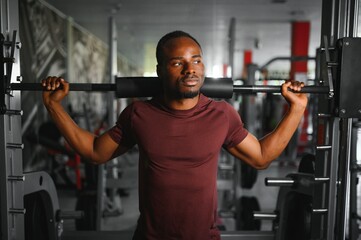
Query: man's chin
189,94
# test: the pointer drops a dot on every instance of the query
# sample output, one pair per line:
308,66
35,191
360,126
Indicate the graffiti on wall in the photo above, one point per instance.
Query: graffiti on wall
42,33
88,56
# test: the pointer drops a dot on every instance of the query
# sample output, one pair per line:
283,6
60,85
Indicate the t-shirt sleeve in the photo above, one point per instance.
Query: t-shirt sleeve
236,131
121,132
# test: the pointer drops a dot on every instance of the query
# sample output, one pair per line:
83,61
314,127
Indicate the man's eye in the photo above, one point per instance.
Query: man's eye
196,61
177,64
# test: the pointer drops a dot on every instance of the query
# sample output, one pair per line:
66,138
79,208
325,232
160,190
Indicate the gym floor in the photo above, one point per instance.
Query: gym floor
126,221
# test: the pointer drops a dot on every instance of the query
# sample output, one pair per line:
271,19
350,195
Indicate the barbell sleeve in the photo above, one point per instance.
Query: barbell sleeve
265,216
279,182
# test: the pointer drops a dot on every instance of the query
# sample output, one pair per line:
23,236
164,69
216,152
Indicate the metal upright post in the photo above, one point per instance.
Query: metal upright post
11,169
111,118
231,45
355,169
113,68
343,181
249,103
350,16
338,21
327,130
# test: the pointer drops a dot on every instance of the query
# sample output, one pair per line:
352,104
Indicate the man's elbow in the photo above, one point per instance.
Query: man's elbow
261,164
95,159
264,160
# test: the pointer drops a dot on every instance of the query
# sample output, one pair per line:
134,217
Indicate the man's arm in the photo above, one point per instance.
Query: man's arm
260,153
97,149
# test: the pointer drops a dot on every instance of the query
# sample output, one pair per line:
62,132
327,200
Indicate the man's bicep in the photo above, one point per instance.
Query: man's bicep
105,148
249,150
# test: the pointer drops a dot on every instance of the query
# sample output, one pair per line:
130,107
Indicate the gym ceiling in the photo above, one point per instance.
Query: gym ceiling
262,26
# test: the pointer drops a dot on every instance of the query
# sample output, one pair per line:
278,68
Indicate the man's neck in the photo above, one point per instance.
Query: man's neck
181,104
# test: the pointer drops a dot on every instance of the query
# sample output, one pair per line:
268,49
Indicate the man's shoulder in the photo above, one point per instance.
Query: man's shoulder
215,103
140,103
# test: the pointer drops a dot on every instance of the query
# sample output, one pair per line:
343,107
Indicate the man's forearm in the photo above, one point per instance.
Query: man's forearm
274,143
79,139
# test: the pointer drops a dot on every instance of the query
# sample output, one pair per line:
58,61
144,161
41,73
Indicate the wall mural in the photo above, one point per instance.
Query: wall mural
43,38
43,53
45,49
88,64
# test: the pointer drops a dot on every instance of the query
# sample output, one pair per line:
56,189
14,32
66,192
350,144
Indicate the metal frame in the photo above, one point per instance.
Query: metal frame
11,169
338,20
14,183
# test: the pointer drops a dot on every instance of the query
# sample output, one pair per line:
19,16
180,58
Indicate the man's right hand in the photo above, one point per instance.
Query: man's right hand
55,89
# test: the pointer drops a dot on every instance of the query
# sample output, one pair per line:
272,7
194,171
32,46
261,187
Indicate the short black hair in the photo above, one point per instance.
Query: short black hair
170,36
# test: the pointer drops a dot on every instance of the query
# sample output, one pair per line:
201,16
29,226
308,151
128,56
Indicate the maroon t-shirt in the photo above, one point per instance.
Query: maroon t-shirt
178,159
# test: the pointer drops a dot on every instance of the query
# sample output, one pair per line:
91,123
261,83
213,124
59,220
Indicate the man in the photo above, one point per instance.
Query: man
179,134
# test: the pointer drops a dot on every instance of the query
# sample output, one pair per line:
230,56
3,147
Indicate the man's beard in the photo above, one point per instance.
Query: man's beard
188,94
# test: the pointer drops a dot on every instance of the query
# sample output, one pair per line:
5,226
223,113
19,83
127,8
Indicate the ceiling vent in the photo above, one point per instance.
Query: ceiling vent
279,1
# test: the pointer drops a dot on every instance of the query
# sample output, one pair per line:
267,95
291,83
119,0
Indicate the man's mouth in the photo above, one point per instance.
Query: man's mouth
190,82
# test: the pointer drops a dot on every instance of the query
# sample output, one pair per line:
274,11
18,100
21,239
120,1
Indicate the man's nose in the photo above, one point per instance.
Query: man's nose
188,68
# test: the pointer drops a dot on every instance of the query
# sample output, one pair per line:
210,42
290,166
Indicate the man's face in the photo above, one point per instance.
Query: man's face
182,68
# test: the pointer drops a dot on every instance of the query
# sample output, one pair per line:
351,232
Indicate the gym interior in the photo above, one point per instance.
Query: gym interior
106,50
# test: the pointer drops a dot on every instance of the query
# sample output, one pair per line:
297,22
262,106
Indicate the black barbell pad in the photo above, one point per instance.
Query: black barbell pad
127,87
218,87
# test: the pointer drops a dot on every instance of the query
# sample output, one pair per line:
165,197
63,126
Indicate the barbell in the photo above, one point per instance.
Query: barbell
127,87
